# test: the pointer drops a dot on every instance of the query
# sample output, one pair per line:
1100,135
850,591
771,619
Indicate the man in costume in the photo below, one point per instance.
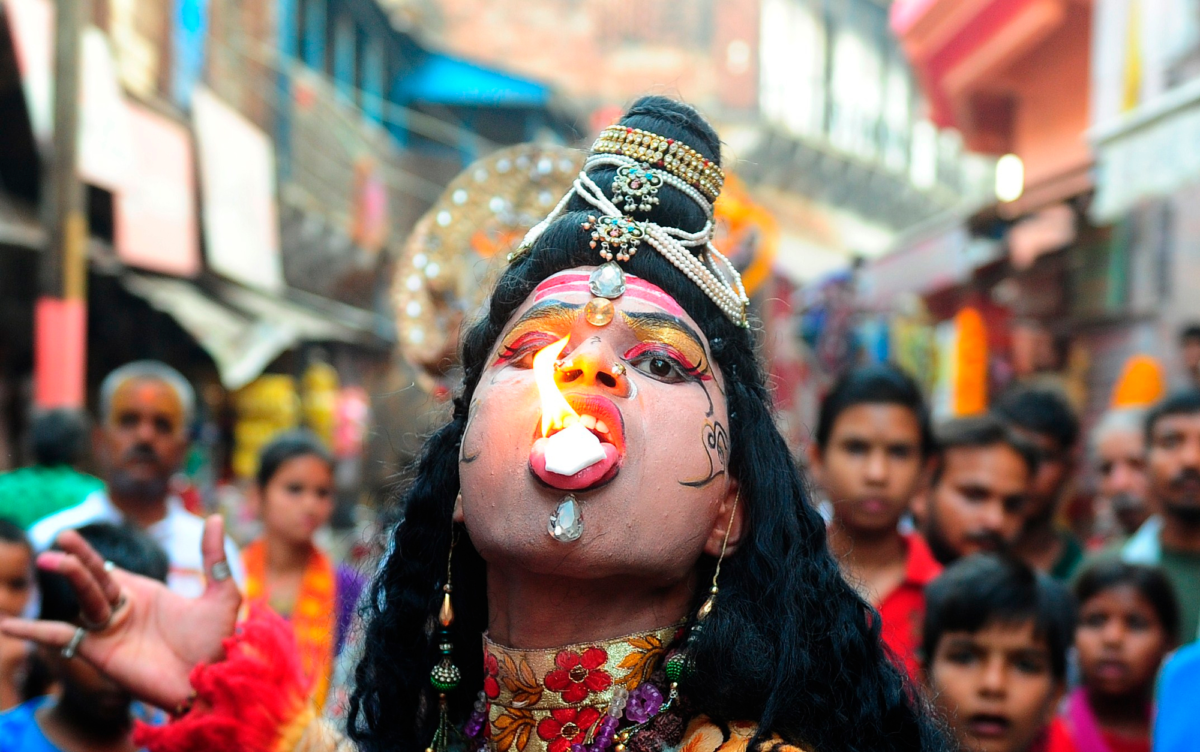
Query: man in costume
610,511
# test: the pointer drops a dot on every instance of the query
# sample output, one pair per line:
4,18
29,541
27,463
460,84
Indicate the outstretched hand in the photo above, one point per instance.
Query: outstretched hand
151,638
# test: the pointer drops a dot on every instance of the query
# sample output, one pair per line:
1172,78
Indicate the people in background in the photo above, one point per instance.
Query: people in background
1128,623
1118,452
145,408
1171,539
1189,354
979,488
16,589
59,441
89,713
1043,416
294,494
873,444
994,649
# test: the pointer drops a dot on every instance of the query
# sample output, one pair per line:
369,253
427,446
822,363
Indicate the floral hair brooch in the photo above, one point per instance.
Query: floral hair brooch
617,237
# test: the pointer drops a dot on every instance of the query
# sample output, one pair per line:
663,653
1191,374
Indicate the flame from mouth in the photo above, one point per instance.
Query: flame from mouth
555,408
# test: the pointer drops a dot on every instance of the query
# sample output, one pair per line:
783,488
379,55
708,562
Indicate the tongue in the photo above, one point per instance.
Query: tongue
585,478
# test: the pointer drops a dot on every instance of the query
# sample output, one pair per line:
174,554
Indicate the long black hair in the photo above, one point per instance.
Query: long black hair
790,645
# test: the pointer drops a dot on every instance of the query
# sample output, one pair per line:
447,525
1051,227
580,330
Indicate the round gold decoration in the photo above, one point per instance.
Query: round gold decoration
598,311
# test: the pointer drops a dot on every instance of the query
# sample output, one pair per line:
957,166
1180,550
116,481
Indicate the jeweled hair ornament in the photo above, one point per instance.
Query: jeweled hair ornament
616,235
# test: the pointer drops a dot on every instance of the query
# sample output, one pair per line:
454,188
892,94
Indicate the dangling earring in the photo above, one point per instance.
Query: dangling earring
679,666
445,676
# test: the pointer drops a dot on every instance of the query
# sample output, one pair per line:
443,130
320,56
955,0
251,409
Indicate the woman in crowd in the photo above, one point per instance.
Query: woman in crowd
285,570
654,580
1128,623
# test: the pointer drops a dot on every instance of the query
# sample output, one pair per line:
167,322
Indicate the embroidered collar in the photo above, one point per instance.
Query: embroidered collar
547,700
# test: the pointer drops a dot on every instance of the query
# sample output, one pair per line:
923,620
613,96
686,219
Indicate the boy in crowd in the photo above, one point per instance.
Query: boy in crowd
872,448
994,649
1043,416
978,492
16,588
1171,539
90,713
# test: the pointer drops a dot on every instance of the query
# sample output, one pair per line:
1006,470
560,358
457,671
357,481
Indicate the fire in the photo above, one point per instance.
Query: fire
555,408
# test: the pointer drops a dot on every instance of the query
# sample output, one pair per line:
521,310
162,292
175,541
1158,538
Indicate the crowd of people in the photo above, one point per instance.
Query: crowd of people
683,590
131,517
1022,633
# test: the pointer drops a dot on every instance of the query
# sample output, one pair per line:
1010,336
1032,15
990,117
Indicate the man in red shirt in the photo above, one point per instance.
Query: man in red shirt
872,451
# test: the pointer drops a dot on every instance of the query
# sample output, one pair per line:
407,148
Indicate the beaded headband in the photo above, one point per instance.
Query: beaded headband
645,162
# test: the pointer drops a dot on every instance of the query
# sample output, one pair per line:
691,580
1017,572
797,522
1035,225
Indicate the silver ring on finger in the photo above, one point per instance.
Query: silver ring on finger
221,571
109,566
69,651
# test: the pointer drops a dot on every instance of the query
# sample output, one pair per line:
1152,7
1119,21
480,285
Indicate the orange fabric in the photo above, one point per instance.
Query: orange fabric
902,611
1141,384
313,618
970,388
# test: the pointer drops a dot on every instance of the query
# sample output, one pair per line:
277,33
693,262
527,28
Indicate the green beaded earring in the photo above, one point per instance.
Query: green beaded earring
681,663
445,676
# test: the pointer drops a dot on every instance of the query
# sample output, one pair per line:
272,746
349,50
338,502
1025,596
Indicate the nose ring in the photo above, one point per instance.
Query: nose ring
618,369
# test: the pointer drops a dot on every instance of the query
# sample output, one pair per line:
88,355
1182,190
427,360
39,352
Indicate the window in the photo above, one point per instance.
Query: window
793,66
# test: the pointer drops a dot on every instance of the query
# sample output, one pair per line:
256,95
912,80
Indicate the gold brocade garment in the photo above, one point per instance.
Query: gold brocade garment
547,700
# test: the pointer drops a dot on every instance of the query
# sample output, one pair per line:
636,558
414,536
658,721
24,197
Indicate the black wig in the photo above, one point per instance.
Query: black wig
790,645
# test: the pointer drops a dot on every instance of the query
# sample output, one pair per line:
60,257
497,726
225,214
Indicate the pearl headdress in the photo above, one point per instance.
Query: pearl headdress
641,170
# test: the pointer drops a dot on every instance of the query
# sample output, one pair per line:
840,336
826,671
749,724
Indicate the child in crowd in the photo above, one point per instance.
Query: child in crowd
995,652
90,712
16,588
872,448
285,570
1128,622
978,495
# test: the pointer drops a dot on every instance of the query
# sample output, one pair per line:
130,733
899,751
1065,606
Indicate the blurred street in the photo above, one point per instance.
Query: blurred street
298,205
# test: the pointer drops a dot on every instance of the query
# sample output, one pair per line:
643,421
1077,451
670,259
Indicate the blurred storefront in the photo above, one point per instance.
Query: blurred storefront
251,171
1067,292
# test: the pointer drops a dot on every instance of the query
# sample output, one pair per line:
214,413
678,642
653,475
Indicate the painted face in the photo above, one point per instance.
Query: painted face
1121,643
143,440
978,502
871,466
995,686
642,381
1173,465
298,499
1121,457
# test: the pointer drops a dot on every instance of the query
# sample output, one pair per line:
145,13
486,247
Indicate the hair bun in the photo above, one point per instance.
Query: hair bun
674,119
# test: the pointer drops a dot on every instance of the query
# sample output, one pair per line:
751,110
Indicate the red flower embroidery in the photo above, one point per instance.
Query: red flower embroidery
567,726
579,674
491,669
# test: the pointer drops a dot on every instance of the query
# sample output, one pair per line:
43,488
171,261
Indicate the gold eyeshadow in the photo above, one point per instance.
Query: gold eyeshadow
545,317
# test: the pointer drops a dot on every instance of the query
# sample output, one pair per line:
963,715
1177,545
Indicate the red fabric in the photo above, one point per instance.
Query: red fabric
1057,738
902,611
1122,743
243,703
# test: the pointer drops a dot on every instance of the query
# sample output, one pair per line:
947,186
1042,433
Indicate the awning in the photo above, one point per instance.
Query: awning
446,80
243,330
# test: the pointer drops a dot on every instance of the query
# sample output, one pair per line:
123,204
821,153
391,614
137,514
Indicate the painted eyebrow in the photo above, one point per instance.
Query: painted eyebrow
547,309
643,322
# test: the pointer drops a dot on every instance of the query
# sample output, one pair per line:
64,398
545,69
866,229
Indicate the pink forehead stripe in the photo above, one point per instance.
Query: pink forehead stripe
635,287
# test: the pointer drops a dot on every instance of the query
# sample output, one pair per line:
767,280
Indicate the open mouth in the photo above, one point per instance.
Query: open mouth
600,416
988,726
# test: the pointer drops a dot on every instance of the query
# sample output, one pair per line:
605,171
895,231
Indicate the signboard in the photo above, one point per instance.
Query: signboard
237,171
156,212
